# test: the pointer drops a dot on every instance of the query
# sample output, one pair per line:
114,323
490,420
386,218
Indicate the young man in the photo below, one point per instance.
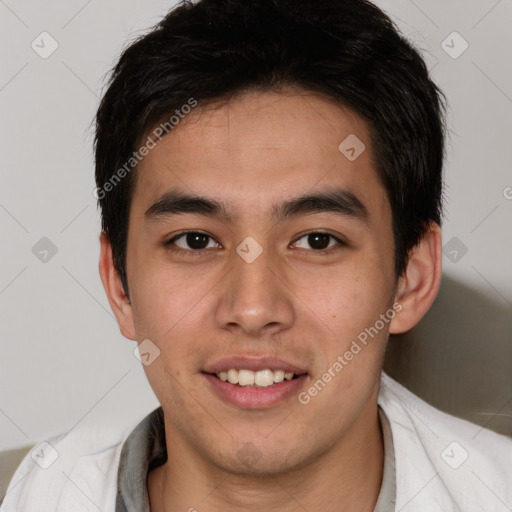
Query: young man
270,178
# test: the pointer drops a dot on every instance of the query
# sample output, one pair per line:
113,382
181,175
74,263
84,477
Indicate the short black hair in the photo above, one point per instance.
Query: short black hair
211,50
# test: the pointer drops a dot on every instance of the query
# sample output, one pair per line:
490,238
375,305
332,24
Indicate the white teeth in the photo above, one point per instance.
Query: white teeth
233,376
245,378
264,378
248,378
278,376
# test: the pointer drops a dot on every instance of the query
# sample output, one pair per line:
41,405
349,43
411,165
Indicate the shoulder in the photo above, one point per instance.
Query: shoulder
51,471
468,464
399,400
9,462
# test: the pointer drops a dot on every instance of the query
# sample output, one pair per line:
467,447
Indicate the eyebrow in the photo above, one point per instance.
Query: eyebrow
337,200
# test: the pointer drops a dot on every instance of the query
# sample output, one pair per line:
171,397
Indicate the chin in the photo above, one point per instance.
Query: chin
250,461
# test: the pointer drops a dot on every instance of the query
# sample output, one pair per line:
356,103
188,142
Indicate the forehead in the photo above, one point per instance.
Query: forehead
262,147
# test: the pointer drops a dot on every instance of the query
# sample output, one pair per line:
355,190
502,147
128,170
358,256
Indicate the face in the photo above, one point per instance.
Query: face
255,276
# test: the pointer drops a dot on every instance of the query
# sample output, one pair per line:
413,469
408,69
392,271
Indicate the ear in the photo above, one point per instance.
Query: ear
117,299
418,285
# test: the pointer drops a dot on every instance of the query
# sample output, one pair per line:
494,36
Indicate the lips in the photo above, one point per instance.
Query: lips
254,364
261,393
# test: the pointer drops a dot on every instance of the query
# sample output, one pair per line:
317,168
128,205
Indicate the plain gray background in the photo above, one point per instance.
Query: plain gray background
63,361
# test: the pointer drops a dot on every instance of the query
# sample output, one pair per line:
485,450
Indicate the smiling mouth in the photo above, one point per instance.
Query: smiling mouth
254,379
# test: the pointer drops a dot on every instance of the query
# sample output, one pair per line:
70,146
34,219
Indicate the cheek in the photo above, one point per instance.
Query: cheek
169,309
161,296
346,298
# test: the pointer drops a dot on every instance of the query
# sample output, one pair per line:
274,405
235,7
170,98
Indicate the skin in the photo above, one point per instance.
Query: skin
292,301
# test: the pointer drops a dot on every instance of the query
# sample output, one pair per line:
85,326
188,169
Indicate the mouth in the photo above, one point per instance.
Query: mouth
255,383
255,379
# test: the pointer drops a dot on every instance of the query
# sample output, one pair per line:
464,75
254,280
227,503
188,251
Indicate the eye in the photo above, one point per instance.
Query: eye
318,241
190,242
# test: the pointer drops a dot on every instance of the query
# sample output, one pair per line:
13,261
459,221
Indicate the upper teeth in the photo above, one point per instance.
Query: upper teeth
260,378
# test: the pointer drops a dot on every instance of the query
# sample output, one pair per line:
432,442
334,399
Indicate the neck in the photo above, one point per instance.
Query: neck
349,473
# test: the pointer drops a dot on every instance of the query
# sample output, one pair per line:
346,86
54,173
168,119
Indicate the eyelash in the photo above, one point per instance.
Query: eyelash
201,252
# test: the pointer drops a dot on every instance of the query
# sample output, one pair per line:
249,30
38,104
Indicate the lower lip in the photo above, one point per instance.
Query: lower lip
255,398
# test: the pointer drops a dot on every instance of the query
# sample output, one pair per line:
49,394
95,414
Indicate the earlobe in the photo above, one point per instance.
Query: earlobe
113,286
419,284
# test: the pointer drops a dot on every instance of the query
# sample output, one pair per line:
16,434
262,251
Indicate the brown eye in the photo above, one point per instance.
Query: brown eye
318,241
191,241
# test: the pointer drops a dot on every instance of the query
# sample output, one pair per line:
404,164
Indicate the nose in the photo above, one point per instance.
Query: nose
255,298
